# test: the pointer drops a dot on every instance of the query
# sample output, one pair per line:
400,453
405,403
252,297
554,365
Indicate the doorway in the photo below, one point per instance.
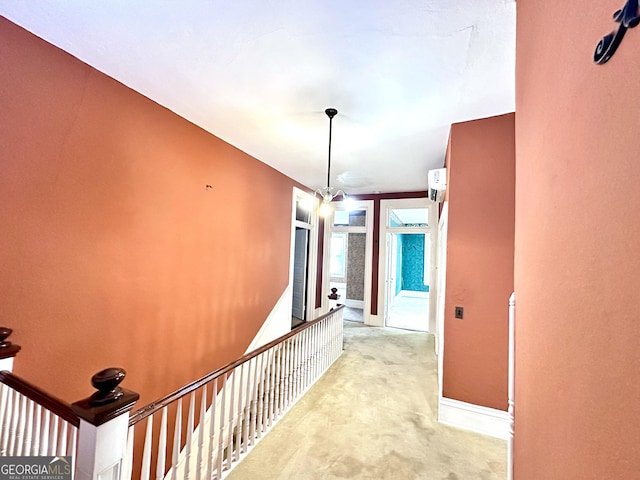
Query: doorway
349,242
407,283
300,275
407,252
302,258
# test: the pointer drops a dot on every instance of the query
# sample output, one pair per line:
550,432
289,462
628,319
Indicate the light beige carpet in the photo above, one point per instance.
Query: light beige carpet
373,415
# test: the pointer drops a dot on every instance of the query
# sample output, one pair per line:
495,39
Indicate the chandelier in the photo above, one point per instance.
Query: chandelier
328,194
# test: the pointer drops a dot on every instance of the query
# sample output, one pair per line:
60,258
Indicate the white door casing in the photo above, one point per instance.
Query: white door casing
312,251
442,277
387,249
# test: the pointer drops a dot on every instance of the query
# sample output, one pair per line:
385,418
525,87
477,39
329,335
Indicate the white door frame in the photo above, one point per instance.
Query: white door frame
442,282
312,258
386,206
367,229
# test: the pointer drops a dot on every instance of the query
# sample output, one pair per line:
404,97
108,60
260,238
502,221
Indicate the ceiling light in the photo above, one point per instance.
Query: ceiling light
327,194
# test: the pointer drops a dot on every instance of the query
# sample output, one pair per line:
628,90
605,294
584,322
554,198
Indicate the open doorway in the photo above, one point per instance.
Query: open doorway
348,243
347,262
407,283
302,258
406,259
300,275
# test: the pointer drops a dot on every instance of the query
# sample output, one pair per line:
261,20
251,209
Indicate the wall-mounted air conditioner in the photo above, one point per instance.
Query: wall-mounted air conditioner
437,184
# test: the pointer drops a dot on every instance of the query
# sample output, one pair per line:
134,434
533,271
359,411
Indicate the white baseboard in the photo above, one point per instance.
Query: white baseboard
484,420
413,294
375,321
353,303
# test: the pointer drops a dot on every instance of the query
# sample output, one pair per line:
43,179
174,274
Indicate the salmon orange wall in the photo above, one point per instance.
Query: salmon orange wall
577,262
113,251
481,182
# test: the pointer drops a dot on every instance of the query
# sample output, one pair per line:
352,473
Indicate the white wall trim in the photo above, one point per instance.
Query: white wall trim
312,259
484,420
353,303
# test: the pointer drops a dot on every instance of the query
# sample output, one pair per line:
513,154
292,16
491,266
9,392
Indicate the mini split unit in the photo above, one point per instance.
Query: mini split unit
437,184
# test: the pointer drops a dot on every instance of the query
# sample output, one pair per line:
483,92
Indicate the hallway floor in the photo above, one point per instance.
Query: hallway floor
373,415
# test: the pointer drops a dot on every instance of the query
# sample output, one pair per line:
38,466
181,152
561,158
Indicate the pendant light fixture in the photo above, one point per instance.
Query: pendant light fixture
327,193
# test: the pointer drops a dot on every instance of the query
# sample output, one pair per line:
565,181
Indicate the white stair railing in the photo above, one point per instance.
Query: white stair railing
35,423
234,406
215,420
31,424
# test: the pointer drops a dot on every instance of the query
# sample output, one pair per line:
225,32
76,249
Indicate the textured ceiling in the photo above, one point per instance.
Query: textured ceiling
260,73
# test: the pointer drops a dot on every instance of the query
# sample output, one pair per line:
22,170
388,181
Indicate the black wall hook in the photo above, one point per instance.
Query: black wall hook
627,17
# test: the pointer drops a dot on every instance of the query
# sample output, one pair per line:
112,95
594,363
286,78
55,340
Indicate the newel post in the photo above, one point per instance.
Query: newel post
8,350
104,425
333,298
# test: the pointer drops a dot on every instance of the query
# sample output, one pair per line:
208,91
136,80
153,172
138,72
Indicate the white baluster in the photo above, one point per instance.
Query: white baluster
285,376
240,417
272,385
201,425
190,420
287,373
26,449
260,405
311,361
4,395
317,338
298,362
37,432
254,400
145,470
320,349
322,339
127,463
13,429
301,361
53,438
162,445
295,365
277,384
232,418
266,421
74,450
44,433
309,358
177,432
62,438
246,413
332,337
212,432
222,425
22,421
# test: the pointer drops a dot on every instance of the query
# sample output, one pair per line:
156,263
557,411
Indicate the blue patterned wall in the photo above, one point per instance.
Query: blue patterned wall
412,269
399,265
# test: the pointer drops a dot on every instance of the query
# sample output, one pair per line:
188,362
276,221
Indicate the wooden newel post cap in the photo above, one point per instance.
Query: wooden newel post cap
106,382
109,401
7,349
